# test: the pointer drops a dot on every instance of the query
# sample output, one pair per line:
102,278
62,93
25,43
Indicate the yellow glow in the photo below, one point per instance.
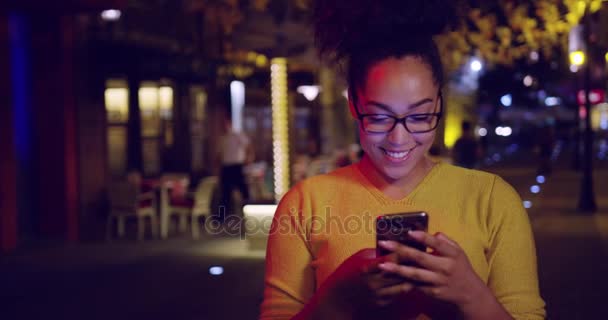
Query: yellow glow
117,104
606,56
165,95
261,61
453,130
599,117
148,98
595,5
580,7
280,141
577,58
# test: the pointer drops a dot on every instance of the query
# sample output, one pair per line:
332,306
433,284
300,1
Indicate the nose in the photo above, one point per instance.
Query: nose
399,135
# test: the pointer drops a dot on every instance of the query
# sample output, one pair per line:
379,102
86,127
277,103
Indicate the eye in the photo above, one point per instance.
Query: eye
379,118
420,117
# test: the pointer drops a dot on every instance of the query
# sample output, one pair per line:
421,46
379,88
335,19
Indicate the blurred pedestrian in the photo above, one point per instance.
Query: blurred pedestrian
466,151
235,151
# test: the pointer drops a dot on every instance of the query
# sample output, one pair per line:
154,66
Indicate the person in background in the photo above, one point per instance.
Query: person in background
545,144
321,260
235,151
466,151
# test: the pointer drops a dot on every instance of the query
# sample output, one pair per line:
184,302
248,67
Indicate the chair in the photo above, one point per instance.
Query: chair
202,203
126,201
174,200
180,204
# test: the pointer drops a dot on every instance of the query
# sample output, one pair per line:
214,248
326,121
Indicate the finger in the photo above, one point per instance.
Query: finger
372,266
383,279
439,246
394,290
412,273
408,254
444,237
431,291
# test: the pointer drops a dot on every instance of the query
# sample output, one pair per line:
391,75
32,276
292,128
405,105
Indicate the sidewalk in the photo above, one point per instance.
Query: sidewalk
572,246
171,279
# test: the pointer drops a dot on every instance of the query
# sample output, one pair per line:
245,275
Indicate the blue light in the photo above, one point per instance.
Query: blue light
216,270
540,179
527,204
506,100
535,189
476,65
20,70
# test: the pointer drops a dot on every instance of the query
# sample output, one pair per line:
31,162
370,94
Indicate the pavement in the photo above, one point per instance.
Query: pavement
172,279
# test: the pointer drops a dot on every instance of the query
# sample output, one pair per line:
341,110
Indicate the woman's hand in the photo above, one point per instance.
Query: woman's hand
360,280
445,273
355,289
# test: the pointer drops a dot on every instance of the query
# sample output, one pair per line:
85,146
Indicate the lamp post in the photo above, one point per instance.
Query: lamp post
577,59
586,202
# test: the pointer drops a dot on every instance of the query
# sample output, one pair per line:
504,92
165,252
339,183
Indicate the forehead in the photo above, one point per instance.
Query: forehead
404,80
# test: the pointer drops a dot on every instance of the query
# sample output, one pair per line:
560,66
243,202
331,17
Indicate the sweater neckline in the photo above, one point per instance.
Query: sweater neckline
383,198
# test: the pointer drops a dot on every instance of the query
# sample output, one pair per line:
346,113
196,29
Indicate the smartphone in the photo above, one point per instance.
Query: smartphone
396,226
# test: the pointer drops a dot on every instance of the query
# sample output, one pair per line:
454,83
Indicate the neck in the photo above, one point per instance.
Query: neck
396,188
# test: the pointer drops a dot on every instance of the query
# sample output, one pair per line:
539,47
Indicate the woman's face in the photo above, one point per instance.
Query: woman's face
398,87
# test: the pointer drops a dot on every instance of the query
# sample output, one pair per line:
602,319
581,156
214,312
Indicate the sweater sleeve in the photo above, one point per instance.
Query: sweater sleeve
289,279
512,254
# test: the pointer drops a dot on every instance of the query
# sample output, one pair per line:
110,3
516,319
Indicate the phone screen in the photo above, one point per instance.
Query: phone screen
396,226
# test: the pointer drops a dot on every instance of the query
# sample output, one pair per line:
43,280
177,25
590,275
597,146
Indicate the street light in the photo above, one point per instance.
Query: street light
577,58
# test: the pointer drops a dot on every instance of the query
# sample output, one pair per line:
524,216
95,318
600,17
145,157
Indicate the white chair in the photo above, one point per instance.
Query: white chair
203,197
126,201
174,201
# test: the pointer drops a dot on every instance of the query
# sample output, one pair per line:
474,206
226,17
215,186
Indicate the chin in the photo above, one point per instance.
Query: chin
394,174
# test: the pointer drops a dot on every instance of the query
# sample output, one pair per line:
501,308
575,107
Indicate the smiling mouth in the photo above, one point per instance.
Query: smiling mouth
397,154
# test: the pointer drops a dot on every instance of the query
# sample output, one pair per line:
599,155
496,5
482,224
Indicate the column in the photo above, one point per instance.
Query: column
54,107
8,164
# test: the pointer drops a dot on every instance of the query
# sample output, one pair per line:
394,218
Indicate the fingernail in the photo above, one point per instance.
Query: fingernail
386,244
414,233
385,266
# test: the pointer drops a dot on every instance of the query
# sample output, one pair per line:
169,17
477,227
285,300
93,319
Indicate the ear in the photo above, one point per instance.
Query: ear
351,105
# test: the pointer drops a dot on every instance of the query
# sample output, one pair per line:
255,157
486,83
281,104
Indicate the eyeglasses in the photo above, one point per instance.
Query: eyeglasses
413,123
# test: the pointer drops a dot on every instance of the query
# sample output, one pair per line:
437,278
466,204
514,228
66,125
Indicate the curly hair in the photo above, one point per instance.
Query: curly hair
355,34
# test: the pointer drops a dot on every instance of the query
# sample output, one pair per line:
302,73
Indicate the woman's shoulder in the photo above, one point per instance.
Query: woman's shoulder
324,186
450,170
338,177
469,178
474,181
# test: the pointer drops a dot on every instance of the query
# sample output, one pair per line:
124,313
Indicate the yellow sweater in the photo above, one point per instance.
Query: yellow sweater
325,219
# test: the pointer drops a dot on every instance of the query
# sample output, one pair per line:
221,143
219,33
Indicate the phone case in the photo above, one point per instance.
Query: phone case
396,226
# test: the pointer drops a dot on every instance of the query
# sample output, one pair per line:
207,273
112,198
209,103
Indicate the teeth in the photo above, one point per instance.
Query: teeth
397,154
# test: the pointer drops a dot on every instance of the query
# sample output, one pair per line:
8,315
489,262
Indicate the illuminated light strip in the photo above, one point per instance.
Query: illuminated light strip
280,142
259,210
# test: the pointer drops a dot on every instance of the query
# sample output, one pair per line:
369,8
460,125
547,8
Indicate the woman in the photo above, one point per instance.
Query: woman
321,261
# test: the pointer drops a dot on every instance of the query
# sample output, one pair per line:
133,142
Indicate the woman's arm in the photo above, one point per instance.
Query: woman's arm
511,255
290,282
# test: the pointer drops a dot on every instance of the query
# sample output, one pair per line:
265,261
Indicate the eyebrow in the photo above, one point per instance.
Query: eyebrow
389,109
